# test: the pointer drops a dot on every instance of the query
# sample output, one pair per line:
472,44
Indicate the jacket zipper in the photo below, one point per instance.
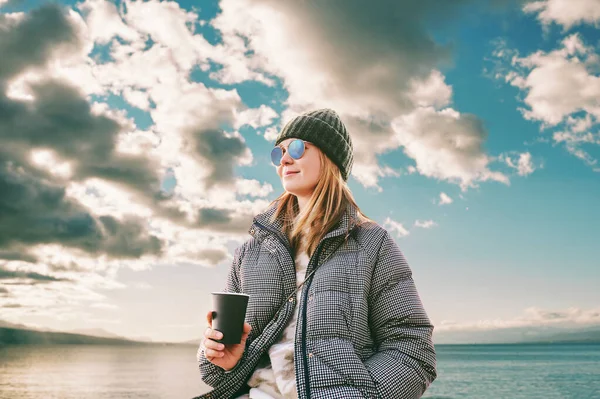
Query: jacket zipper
304,297
304,360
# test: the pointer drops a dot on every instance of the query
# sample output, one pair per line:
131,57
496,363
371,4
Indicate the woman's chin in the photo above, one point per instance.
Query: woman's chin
290,189
297,191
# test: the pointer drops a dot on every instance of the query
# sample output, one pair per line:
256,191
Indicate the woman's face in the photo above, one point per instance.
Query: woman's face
300,176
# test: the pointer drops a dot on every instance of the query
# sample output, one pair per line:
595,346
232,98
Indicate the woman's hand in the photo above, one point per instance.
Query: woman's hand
224,356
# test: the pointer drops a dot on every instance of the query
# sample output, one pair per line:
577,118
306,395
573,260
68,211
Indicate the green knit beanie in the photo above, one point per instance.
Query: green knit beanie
325,129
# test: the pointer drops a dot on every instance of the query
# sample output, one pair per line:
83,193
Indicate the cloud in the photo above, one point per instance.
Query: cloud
372,64
522,163
103,305
85,183
218,150
185,130
446,145
225,220
255,117
426,224
561,90
567,13
104,22
444,199
81,186
396,227
213,256
167,24
60,300
36,211
253,188
43,32
551,99
142,285
17,255
31,277
531,317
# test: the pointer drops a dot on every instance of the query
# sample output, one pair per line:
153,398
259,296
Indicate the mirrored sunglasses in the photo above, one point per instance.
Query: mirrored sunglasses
295,149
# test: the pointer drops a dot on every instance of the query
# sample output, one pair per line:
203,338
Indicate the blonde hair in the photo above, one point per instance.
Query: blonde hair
324,210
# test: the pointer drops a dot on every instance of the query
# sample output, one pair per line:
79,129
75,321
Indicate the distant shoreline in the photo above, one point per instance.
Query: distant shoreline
17,336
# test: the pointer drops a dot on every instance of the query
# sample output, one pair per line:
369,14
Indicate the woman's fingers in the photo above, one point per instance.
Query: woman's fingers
213,334
209,343
213,349
213,353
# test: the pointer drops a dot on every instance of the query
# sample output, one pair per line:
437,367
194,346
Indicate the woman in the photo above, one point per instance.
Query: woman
333,309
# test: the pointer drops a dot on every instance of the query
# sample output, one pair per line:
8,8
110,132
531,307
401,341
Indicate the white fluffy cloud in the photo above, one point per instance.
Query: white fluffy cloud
446,145
560,90
559,83
104,22
425,224
255,117
396,227
445,199
565,12
522,163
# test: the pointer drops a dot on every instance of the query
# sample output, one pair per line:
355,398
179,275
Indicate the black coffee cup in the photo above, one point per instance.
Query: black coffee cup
228,315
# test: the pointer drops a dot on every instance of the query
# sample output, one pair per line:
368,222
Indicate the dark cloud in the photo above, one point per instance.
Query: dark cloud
371,53
223,220
71,267
4,291
35,211
220,150
213,256
128,238
34,208
12,305
35,278
209,216
60,118
31,41
17,255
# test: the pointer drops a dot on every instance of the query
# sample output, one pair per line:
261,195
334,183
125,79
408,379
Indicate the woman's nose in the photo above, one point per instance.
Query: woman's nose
286,159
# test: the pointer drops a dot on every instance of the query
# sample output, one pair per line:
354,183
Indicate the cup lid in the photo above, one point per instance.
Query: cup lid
229,293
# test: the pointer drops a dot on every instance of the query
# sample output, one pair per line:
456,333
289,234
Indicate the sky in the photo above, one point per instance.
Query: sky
135,140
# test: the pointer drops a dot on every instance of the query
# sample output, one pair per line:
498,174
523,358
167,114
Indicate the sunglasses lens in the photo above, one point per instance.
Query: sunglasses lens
276,155
296,149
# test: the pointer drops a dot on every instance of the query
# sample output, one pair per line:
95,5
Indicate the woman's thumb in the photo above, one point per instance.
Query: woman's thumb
246,331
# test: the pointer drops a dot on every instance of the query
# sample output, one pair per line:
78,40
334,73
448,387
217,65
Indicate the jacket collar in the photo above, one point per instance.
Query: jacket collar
263,225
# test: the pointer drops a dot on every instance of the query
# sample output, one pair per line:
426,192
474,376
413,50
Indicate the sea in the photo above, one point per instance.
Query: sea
523,371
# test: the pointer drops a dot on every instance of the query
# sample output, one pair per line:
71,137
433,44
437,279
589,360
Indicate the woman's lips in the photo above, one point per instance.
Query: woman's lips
290,173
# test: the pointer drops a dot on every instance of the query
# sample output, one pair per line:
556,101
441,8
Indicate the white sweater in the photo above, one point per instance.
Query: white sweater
277,380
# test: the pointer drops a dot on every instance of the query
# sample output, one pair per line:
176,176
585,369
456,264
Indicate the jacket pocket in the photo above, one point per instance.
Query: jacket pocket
339,363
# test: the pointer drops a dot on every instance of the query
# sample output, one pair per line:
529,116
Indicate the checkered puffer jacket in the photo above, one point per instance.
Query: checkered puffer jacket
361,332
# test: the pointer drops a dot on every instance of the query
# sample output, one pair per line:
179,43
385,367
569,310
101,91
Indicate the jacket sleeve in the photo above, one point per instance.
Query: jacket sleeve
211,374
405,362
